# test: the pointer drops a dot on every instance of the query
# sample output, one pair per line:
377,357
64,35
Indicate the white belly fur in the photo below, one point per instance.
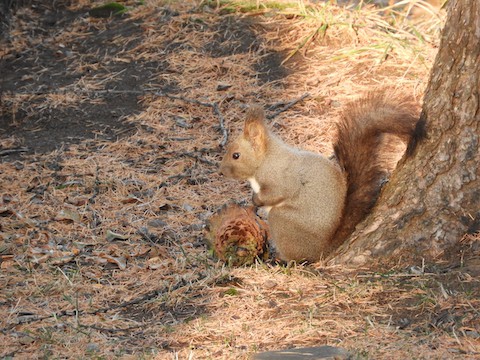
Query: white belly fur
254,184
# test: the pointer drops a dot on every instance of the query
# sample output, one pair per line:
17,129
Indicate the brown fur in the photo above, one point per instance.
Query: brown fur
314,203
366,150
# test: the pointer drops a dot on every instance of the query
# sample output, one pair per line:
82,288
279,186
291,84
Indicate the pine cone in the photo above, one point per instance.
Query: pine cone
237,235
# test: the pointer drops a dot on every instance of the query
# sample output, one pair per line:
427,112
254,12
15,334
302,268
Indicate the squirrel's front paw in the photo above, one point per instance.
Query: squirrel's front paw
256,200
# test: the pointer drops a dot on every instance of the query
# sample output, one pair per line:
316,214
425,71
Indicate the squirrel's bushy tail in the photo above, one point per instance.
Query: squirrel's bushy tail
358,149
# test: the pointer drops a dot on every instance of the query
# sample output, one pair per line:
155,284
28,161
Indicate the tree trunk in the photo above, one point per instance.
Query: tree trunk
432,199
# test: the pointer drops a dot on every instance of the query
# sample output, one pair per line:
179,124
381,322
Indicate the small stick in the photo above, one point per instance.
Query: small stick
191,101
198,158
175,179
96,188
113,331
286,106
377,276
6,152
214,106
221,119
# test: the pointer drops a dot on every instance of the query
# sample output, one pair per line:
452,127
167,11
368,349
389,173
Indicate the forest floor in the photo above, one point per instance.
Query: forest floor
111,130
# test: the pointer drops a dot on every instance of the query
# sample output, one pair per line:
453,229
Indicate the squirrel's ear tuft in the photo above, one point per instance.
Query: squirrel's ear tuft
255,130
255,113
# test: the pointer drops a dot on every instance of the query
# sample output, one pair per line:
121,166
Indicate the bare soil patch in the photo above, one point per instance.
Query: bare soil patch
110,133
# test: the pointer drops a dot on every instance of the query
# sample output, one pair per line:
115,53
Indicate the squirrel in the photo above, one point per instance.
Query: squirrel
314,202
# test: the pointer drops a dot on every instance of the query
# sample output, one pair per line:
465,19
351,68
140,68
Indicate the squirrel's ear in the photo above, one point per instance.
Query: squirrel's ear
255,129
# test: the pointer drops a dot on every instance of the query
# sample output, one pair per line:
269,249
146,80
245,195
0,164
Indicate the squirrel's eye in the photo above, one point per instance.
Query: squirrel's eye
235,156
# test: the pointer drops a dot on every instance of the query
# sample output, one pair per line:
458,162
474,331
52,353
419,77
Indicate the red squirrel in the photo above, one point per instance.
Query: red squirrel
314,203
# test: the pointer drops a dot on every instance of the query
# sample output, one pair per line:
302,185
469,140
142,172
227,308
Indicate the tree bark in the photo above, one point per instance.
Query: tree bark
432,199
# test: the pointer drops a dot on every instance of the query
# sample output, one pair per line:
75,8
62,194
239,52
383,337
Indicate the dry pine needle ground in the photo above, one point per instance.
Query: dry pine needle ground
101,239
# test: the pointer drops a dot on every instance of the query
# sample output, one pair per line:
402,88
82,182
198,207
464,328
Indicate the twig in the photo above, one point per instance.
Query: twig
473,308
198,158
214,106
6,152
286,106
376,276
184,99
96,188
176,178
101,329
193,155
216,110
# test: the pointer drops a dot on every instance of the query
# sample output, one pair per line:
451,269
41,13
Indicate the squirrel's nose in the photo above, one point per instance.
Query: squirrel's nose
221,169
224,170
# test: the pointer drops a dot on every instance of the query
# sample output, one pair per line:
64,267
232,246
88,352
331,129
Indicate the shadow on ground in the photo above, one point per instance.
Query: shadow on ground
55,94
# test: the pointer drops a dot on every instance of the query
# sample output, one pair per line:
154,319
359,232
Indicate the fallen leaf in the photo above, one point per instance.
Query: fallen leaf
120,261
40,259
141,251
5,248
26,339
155,263
165,207
130,199
187,207
70,215
6,198
98,260
7,264
61,260
110,236
270,284
223,87
154,266
93,275
157,223
77,201
4,212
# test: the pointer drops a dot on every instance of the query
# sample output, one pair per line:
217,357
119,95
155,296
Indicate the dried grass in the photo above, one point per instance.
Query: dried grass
66,291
